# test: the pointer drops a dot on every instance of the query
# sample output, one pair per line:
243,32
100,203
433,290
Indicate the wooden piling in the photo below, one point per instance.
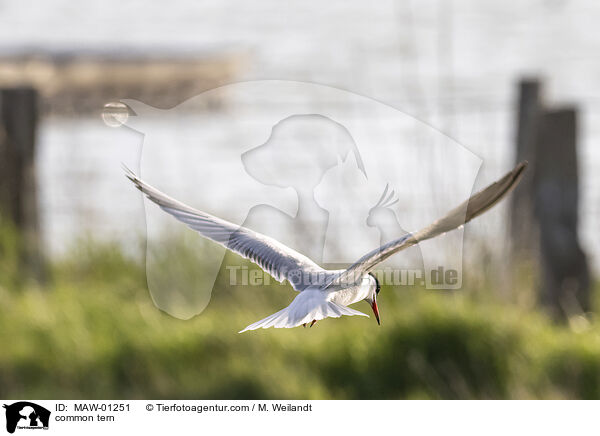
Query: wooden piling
523,228
18,196
564,271
544,208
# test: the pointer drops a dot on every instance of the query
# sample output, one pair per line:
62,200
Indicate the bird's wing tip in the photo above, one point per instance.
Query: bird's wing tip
133,177
128,172
522,165
518,172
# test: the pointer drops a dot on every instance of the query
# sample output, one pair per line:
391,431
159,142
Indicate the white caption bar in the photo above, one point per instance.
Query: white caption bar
259,417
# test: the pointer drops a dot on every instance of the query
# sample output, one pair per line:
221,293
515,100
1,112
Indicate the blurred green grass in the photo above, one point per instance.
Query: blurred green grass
93,332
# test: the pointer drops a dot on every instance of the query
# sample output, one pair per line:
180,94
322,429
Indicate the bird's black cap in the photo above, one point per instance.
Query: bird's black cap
378,286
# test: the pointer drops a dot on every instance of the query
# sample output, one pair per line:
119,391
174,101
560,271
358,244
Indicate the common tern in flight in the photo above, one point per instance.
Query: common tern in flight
322,293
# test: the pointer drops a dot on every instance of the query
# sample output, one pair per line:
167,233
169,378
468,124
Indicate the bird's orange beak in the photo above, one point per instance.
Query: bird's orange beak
376,311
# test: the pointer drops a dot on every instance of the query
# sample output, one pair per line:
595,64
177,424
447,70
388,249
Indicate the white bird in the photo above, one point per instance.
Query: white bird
322,293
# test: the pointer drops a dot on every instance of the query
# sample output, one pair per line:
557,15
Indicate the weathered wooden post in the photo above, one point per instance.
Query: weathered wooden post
544,208
523,227
18,197
564,270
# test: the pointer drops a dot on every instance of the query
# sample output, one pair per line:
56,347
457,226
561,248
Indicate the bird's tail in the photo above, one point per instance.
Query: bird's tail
309,305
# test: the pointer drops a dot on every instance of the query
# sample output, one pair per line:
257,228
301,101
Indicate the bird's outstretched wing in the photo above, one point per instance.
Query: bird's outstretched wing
471,208
280,261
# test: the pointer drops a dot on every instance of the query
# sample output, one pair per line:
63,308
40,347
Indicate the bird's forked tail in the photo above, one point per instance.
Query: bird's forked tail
309,305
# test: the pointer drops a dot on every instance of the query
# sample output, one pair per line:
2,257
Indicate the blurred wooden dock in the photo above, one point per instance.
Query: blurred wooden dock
82,82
